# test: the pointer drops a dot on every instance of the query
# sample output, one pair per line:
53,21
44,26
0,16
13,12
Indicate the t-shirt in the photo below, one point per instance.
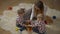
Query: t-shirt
19,20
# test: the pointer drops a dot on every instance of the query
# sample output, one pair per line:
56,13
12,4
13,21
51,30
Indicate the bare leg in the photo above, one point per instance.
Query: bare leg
29,30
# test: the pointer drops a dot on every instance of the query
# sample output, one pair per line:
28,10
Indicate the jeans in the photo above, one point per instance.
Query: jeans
35,29
42,33
21,27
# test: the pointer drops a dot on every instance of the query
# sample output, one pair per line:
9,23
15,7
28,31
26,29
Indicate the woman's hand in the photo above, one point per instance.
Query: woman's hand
28,21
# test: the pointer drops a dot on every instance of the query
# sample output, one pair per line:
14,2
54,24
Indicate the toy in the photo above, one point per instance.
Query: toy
9,8
54,17
17,28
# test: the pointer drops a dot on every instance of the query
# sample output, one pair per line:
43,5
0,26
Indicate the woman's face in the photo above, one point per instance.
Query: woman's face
39,18
37,10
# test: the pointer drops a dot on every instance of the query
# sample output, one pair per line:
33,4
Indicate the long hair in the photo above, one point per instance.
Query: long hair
40,5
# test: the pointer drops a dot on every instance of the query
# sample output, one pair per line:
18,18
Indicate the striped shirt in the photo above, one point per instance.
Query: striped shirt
19,20
40,25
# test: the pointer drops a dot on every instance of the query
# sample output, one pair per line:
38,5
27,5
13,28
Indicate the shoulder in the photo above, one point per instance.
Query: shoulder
29,11
27,14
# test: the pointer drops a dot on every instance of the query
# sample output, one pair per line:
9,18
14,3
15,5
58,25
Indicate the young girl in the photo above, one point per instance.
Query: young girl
39,23
20,20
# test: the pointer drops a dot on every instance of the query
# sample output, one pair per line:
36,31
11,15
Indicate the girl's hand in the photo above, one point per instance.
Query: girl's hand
23,25
28,21
29,25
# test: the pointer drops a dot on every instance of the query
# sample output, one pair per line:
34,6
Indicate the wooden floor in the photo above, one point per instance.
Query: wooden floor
51,29
4,4
2,31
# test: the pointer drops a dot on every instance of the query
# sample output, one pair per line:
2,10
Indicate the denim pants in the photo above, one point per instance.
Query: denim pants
21,27
35,29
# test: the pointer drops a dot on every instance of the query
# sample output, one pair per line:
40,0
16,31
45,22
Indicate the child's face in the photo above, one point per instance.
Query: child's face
21,14
39,18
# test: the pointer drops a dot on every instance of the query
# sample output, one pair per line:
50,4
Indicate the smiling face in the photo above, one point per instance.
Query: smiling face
21,12
37,10
40,17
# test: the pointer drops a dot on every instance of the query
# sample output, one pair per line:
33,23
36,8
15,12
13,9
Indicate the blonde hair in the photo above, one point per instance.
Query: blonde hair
40,16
